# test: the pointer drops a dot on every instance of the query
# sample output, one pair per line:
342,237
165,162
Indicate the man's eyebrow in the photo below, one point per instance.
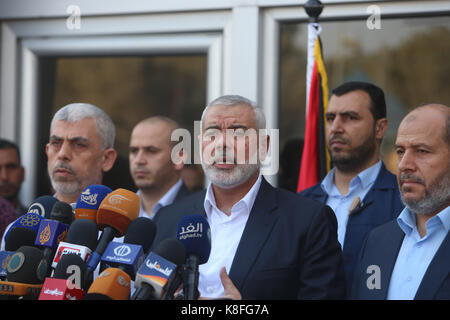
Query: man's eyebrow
73,139
232,127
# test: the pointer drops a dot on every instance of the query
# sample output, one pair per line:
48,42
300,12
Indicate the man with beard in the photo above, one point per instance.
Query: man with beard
80,149
154,173
408,258
266,243
359,189
12,175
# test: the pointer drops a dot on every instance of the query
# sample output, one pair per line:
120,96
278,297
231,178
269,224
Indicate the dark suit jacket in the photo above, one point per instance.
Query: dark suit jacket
381,204
288,250
381,248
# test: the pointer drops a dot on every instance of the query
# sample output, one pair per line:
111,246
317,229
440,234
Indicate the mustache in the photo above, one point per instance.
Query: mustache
410,177
339,138
141,169
65,166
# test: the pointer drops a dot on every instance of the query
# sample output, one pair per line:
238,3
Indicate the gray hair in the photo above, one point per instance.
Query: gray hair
234,100
75,112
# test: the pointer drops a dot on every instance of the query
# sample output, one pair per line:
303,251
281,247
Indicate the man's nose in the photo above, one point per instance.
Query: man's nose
406,161
65,152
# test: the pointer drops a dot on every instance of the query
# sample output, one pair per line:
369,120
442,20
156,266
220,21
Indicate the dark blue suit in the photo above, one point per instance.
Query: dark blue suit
381,204
381,248
288,250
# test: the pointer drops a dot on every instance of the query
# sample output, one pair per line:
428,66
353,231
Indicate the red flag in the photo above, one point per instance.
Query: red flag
315,161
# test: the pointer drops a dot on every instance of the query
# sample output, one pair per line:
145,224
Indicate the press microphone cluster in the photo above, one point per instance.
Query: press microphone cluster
51,252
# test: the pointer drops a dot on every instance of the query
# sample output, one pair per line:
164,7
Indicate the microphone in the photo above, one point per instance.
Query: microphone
52,231
141,231
114,215
194,232
111,284
25,273
129,255
159,270
66,283
39,209
81,240
43,206
17,237
89,201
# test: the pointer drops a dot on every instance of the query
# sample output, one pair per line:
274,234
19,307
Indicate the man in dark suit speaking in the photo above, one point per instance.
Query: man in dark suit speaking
273,243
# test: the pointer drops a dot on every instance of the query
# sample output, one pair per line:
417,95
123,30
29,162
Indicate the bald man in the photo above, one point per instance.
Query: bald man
152,169
408,258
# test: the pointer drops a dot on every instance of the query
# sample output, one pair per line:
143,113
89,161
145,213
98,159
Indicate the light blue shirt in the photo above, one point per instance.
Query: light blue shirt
416,253
359,186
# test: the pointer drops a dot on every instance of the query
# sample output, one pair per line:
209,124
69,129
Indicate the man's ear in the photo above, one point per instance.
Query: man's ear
381,126
108,159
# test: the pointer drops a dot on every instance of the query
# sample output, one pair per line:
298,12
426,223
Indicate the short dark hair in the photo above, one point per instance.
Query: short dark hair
6,144
377,100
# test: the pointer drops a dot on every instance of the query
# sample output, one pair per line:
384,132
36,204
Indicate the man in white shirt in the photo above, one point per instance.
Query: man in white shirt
152,169
266,243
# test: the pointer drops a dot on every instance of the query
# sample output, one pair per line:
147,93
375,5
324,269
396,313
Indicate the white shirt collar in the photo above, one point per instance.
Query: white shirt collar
248,200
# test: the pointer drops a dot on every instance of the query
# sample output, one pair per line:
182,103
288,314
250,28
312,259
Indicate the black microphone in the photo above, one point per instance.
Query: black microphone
129,255
159,270
194,232
67,281
17,237
141,231
54,230
81,240
25,274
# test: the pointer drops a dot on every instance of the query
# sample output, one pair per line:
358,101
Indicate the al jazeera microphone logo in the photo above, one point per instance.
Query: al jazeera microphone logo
44,236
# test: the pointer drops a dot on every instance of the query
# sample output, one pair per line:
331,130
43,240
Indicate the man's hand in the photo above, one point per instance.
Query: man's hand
230,291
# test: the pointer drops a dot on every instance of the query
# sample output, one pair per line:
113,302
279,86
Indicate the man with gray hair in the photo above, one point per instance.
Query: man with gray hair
408,258
266,243
80,149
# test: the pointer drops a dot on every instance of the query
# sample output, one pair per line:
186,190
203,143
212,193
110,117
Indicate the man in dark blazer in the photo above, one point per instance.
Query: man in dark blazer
152,168
409,258
268,243
361,191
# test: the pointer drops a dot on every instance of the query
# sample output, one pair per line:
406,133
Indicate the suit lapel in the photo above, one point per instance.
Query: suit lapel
256,231
389,253
436,273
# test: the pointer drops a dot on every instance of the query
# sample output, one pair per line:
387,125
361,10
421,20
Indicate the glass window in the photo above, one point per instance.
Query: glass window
129,89
407,58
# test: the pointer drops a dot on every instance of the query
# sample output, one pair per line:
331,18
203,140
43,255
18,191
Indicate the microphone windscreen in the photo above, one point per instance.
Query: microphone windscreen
172,250
141,231
18,237
27,265
62,212
194,232
89,201
118,209
83,232
43,206
71,265
113,283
